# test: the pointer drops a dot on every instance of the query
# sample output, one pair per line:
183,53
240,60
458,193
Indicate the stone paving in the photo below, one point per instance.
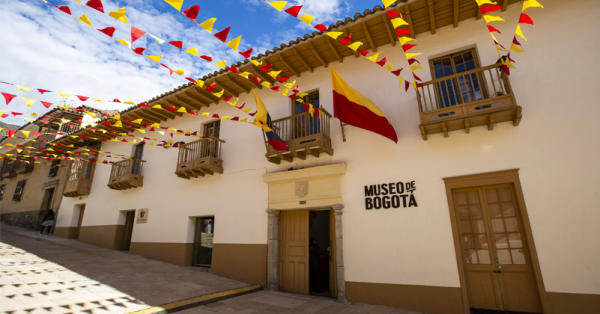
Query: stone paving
56,275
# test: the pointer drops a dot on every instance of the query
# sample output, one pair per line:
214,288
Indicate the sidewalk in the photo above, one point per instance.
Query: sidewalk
57,275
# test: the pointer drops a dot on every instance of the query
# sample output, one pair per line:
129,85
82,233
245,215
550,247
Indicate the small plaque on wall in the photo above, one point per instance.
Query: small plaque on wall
142,216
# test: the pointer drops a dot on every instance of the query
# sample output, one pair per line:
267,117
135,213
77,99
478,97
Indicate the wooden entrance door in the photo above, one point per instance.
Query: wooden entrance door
495,253
128,230
203,241
81,212
293,252
332,256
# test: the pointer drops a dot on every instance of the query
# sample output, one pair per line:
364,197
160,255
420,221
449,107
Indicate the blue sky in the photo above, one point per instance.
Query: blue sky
45,48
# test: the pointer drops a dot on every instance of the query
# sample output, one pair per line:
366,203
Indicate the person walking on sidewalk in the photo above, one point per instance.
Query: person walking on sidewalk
48,221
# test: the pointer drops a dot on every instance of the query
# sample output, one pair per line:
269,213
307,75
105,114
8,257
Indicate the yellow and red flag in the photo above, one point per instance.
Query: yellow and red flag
354,108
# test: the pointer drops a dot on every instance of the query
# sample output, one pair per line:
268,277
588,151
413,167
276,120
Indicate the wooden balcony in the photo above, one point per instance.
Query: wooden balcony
23,167
9,169
479,97
127,174
200,158
304,135
79,178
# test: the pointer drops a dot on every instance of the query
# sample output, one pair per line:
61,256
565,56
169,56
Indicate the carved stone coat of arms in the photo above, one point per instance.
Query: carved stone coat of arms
301,188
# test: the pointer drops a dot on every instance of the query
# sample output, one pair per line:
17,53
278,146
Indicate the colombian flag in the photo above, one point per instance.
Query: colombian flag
262,119
356,109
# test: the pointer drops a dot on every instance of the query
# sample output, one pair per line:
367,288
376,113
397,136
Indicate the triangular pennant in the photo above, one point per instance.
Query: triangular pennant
346,40
382,61
192,13
109,31
170,70
515,49
415,67
525,19
321,28
222,35
397,72
407,47
222,64
307,19
531,4
46,104
136,34
364,53
246,54
491,18
178,44
85,20
355,45
235,43
96,4
175,3
25,88
520,32
401,32
208,24
160,41
65,9
42,91
119,15
278,5
397,22
493,29
8,97
293,11
374,57
392,14
387,3
410,55
488,9
29,101
155,58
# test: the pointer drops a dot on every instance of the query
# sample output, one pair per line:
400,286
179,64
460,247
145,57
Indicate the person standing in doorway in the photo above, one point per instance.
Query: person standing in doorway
313,268
48,221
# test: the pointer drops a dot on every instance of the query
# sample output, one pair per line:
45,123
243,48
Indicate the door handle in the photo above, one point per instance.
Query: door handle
497,271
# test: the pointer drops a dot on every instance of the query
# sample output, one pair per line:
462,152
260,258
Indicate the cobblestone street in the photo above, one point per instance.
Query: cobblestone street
56,275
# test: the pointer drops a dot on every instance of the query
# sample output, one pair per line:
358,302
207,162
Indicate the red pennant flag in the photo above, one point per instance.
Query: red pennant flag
515,41
397,72
136,33
364,53
124,140
96,4
143,104
139,51
192,13
275,88
222,35
42,91
207,58
4,115
109,31
525,19
266,68
16,113
383,61
116,100
177,143
493,29
36,134
417,78
6,83
321,28
488,9
211,87
293,11
165,127
233,69
228,98
216,115
282,79
235,119
172,108
253,114
170,70
105,123
8,97
406,85
402,32
412,60
82,98
506,70
190,79
246,54
392,14
194,113
10,132
497,43
407,47
243,105
65,9
346,40
178,44
255,79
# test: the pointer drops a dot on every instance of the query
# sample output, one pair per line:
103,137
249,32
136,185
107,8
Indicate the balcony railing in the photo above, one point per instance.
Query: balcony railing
23,167
304,135
79,178
127,174
199,158
8,169
478,97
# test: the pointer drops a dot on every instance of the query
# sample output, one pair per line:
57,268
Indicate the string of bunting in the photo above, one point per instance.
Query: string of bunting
487,6
524,18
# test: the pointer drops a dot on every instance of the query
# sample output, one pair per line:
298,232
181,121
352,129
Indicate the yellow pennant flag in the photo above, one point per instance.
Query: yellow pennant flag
182,109
244,74
124,42
85,20
290,85
266,84
25,88
274,74
233,103
208,24
404,40
374,57
244,120
175,3
482,2
219,94
141,130
29,101
410,55
180,72
221,64
334,35
401,81
278,5
205,114
247,110
397,22
256,62
520,32
157,107
160,41
119,15
129,102
32,114
225,118
387,3
415,67
26,133
284,92
200,83
151,144
307,19
155,58
137,121
95,99
354,46
65,95
235,43
117,116
118,124
193,51
515,49
491,18
390,66
531,4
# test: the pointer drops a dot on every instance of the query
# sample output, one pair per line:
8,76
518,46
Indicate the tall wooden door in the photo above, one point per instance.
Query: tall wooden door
81,212
332,256
129,220
293,251
495,252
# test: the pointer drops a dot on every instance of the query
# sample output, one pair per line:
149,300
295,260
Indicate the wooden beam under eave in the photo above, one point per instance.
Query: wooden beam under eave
369,38
167,103
386,22
455,8
190,104
408,20
207,95
301,58
346,34
431,16
479,15
180,103
193,97
148,115
504,5
227,89
163,113
287,64
238,84
335,52
262,74
317,54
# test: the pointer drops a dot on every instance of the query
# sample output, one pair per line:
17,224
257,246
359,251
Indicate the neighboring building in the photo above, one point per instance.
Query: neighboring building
27,189
488,203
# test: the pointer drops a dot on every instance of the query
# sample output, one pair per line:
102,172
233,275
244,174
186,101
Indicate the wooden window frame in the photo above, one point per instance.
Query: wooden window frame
493,178
206,125
54,168
293,102
17,196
